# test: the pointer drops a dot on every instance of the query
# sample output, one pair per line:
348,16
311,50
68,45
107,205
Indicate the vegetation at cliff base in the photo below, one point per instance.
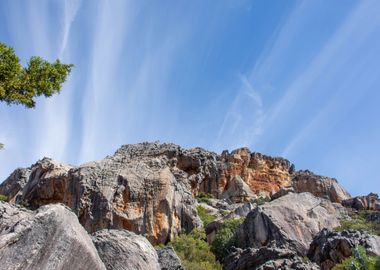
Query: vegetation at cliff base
360,222
204,197
205,215
225,238
3,198
21,85
194,251
359,261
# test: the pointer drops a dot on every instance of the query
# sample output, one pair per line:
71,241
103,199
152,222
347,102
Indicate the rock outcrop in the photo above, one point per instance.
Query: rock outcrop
330,248
169,260
293,219
134,190
267,258
369,202
263,174
124,250
49,238
320,186
146,188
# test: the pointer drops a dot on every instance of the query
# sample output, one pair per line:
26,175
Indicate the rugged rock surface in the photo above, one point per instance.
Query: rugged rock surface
369,202
330,248
262,173
267,258
134,189
293,219
124,250
320,186
169,260
146,188
49,238
238,191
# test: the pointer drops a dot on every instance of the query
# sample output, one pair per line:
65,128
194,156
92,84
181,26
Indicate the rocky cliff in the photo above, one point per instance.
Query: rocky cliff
150,191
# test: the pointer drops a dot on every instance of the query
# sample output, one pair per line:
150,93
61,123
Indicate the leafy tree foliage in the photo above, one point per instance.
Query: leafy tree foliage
225,238
21,85
205,215
194,251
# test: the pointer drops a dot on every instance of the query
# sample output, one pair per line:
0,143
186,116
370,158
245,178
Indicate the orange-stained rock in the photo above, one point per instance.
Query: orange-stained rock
148,188
263,174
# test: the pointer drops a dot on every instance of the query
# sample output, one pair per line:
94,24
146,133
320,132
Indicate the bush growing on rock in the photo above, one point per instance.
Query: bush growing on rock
194,251
3,198
204,197
204,215
225,238
359,261
359,222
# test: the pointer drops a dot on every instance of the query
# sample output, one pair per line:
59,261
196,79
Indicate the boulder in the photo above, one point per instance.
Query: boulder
293,220
49,238
168,259
267,258
124,250
369,202
238,191
320,186
330,248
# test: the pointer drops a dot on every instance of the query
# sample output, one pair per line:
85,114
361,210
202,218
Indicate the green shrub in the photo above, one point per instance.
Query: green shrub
3,198
194,251
205,215
359,222
359,261
225,238
204,197
261,200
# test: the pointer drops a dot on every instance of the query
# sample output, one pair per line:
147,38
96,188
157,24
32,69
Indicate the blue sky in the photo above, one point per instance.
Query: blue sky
298,79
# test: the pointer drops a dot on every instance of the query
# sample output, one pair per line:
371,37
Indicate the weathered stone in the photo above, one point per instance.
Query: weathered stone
169,260
134,189
124,250
146,188
293,219
238,191
330,248
263,174
267,258
369,202
49,238
320,186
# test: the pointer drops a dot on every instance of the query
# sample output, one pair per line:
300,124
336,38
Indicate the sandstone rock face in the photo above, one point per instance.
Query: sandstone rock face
330,248
238,191
266,258
169,260
49,238
263,174
134,190
293,219
369,202
146,188
124,250
320,186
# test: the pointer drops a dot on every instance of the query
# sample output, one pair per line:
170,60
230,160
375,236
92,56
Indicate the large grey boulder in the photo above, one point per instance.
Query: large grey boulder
320,186
329,248
124,250
169,260
293,219
267,258
49,238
